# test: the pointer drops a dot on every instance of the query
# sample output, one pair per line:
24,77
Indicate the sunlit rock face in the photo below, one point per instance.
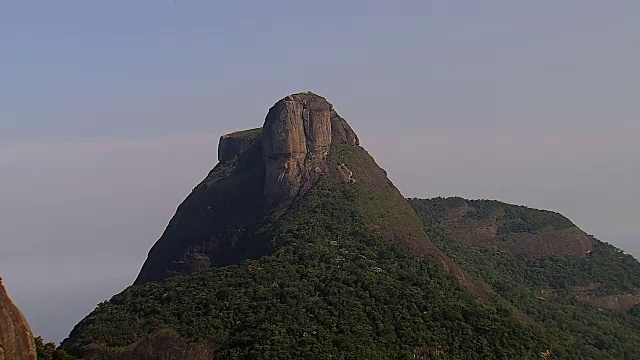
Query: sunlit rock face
296,139
16,338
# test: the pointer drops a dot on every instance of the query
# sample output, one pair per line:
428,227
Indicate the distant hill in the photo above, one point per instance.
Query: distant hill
298,246
583,291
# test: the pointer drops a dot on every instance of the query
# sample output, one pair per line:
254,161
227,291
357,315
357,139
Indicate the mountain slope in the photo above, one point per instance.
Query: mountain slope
584,292
331,289
214,226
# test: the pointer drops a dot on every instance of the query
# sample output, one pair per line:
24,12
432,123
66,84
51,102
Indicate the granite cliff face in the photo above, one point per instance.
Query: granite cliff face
16,338
233,145
297,136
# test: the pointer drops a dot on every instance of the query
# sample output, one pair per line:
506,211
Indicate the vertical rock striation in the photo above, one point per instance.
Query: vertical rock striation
16,338
296,139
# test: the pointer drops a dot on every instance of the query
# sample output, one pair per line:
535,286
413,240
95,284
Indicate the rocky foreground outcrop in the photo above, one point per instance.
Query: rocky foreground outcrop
16,338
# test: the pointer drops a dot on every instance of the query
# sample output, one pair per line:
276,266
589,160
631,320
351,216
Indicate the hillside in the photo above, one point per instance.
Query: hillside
332,288
583,291
297,245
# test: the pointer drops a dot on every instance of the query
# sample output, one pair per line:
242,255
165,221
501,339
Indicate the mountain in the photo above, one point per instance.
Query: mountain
16,338
297,245
260,174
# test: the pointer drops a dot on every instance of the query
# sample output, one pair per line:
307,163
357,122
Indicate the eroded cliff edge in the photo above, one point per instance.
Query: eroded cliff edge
296,140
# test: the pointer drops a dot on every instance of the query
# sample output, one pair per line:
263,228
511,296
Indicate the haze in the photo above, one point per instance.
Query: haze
110,114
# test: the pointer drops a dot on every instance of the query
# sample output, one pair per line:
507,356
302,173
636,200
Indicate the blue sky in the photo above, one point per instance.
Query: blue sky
110,113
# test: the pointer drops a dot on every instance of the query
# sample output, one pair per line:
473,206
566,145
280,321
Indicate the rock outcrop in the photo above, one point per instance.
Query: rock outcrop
341,132
296,139
234,144
571,242
613,302
16,338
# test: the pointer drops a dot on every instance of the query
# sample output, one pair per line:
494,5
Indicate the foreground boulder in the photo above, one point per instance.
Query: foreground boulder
16,338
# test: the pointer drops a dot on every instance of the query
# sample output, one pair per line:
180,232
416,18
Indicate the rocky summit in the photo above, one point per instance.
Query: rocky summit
296,140
264,169
298,246
16,338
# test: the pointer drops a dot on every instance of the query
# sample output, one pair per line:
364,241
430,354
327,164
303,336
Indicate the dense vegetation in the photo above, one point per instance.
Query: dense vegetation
331,289
48,351
545,288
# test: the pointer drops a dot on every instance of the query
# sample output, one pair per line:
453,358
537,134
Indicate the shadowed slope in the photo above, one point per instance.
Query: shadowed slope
214,226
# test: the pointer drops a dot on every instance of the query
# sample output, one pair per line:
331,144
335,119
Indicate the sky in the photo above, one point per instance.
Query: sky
110,112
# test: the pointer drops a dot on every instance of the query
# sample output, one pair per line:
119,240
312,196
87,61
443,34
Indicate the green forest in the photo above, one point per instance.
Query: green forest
330,290
541,288
331,287
336,280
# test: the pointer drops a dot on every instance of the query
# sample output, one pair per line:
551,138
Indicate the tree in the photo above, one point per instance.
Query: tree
48,351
